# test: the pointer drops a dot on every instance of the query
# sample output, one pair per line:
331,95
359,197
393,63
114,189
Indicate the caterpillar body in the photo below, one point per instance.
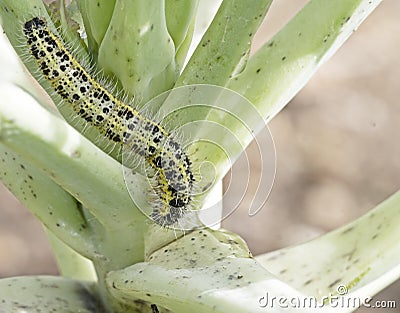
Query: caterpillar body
116,120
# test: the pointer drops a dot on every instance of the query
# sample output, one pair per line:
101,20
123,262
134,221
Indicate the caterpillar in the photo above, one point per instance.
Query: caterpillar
116,120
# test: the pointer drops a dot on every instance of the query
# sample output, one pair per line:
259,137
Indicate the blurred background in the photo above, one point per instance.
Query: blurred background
338,154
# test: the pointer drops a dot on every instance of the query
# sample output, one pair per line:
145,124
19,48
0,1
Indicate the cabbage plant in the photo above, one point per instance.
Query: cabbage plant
111,256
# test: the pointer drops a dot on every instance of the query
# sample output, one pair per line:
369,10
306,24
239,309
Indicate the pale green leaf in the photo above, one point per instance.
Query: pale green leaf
284,64
363,256
47,294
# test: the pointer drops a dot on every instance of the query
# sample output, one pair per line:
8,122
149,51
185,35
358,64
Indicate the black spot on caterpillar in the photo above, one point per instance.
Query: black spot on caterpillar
116,120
